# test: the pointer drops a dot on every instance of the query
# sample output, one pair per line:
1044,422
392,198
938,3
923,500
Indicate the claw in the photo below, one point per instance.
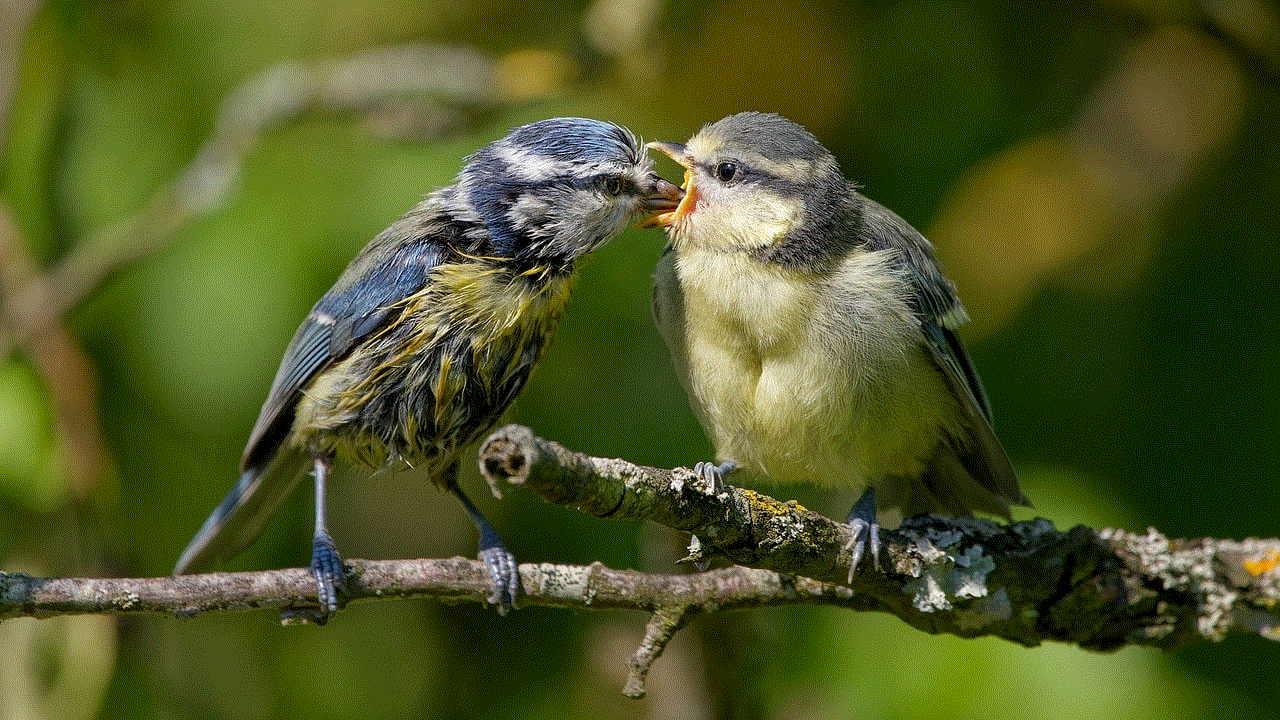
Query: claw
866,532
326,566
493,552
700,555
713,475
505,575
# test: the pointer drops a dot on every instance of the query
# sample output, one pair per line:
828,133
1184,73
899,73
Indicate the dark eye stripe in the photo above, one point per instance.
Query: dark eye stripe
741,170
598,182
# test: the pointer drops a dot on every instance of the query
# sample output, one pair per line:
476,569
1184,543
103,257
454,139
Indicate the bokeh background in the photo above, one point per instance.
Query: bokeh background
1102,180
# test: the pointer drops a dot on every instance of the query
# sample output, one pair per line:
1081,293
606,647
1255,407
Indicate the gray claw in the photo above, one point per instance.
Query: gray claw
506,577
326,566
866,532
699,554
713,475
866,536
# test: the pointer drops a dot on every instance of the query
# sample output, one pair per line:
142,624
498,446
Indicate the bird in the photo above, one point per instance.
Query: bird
432,330
816,335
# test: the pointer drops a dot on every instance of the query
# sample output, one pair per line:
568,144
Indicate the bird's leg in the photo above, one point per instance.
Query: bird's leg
866,532
501,563
326,564
713,475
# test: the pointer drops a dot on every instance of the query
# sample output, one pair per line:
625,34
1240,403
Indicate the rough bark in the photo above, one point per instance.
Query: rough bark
1027,582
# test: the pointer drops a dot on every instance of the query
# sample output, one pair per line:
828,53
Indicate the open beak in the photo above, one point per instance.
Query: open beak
660,196
674,204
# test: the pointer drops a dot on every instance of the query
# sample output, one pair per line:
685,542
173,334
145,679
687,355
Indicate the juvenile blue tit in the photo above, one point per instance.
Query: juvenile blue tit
433,329
816,335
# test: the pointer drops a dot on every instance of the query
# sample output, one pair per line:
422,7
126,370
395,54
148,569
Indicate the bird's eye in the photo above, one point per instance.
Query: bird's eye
726,171
612,185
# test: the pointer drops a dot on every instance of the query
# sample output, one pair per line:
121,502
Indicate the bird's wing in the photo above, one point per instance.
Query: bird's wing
241,515
935,302
396,265
984,457
386,271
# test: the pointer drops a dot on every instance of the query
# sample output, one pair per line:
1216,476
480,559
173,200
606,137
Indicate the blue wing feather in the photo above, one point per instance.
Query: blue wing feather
394,266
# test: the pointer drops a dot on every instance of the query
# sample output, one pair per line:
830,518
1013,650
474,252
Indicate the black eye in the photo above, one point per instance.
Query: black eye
612,185
726,171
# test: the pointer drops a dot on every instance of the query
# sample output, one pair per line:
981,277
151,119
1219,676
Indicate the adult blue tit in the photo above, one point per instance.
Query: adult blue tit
433,329
816,335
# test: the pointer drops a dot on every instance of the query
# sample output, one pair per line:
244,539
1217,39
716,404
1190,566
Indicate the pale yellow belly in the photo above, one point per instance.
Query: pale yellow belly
794,420
793,395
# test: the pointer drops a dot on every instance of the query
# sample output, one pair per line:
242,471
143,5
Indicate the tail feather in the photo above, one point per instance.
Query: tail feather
242,515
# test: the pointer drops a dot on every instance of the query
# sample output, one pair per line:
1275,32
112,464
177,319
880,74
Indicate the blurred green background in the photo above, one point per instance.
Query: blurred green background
1102,180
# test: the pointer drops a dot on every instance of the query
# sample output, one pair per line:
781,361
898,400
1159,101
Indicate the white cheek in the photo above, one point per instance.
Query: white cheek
592,218
606,217
526,213
736,218
615,214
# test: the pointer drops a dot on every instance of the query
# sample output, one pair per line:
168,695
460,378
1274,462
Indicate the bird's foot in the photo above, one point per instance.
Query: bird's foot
505,574
326,566
700,554
865,539
493,552
713,475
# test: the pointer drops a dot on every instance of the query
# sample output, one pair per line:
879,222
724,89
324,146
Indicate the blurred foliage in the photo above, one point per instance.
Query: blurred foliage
1102,180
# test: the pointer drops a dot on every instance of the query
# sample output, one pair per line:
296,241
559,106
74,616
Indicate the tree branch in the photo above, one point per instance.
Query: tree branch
451,580
1026,582
672,598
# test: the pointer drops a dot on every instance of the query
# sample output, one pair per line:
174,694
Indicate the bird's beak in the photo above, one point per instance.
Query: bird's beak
680,203
675,151
660,196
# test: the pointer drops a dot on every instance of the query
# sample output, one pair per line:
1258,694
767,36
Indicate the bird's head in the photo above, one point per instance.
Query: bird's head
759,183
554,190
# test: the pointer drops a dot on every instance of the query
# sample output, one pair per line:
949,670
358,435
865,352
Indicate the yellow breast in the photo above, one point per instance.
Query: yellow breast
440,372
790,382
